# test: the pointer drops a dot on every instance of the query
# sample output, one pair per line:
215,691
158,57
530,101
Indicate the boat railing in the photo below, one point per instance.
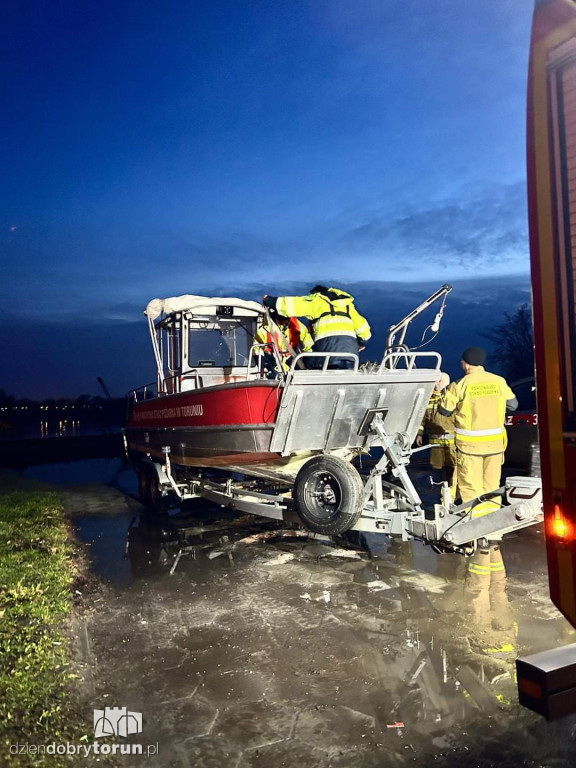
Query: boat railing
324,359
399,359
172,384
256,350
194,376
169,386
407,361
145,392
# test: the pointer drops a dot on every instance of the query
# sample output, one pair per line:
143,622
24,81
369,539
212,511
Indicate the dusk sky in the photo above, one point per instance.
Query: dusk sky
228,147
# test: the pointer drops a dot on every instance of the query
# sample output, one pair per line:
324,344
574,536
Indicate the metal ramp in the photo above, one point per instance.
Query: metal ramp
324,409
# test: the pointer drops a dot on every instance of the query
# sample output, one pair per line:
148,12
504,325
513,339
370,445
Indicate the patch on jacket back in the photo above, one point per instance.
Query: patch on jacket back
483,390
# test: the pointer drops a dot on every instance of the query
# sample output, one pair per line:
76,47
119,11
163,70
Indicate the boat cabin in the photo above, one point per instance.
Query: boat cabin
201,342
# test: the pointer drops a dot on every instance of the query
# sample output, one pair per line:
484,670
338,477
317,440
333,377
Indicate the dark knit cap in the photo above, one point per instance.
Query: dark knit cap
474,356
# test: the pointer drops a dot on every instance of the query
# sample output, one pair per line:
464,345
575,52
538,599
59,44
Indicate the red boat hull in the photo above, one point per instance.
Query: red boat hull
216,426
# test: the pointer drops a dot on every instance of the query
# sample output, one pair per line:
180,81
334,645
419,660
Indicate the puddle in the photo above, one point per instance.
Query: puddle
258,645
115,473
364,656
107,539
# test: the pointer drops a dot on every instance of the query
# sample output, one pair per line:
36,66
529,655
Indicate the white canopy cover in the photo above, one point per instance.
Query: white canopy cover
199,304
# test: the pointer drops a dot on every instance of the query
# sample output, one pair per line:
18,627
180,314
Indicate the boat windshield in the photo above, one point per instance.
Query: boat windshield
222,344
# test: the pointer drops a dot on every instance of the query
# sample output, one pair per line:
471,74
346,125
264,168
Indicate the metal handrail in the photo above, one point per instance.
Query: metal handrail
391,359
255,346
191,374
172,379
324,369
133,393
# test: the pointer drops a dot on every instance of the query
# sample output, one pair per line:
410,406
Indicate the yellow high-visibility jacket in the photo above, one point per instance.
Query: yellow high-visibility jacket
332,314
439,428
295,332
478,402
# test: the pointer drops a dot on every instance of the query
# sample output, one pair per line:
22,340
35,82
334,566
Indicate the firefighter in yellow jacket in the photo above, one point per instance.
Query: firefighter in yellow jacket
337,326
478,402
289,331
440,432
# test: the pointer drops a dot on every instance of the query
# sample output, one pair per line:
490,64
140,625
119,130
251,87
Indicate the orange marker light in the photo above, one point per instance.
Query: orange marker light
559,525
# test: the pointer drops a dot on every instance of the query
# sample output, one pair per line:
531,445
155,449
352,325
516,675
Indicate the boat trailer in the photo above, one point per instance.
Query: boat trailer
391,504
306,465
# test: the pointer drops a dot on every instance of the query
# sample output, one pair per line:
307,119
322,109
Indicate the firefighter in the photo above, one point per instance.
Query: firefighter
336,324
478,402
291,331
440,432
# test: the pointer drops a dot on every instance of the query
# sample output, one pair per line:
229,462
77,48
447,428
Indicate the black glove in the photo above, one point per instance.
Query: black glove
269,301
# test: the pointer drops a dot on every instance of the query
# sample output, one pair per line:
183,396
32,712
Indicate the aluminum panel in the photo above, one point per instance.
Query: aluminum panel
324,411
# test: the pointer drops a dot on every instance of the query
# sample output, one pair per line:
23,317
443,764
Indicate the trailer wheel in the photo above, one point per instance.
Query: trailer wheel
328,495
158,505
144,484
150,493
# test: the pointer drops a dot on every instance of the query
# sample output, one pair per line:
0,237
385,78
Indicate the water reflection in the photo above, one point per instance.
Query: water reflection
107,539
425,651
61,428
57,426
115,473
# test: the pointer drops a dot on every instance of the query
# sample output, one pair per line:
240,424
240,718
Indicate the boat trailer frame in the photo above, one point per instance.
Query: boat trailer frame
391,504
390,507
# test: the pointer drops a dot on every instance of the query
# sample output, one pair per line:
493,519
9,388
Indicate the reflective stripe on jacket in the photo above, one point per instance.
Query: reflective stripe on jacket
332,314
478,403
296,333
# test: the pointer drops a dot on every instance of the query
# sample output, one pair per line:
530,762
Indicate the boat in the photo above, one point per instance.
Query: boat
218,423
211,405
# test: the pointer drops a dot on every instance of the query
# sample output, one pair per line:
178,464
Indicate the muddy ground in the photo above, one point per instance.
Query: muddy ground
300,652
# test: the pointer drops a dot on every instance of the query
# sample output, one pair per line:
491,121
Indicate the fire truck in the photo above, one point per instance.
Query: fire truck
547,681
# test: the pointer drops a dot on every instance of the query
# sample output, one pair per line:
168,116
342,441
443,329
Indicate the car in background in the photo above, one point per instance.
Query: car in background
523,451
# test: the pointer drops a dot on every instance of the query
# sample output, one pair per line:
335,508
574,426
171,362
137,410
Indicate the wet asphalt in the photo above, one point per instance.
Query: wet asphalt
258,647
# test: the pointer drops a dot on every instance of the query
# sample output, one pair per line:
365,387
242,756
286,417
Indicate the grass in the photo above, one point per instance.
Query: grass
36,575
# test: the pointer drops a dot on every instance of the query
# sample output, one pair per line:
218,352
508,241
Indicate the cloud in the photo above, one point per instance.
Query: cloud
66,355
487,232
